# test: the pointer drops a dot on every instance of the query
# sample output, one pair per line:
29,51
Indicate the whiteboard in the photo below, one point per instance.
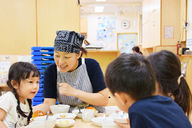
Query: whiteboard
189,27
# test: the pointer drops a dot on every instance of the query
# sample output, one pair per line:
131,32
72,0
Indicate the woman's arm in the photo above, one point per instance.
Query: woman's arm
2,117
98,99
45,106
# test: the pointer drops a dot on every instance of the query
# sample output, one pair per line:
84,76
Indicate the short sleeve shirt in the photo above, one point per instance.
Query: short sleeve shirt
94,72
157,112
8,103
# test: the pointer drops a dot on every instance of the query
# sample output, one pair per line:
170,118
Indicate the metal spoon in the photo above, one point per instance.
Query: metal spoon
47,115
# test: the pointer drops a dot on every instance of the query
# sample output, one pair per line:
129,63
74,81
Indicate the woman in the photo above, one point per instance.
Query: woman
171,82
73,80
136,50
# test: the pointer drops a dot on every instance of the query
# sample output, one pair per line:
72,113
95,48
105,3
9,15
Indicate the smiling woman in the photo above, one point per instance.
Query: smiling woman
73,80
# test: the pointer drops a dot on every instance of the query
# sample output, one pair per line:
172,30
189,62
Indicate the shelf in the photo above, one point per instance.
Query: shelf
185,56
103,51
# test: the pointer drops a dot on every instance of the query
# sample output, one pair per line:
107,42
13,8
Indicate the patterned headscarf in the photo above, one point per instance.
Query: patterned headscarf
68,41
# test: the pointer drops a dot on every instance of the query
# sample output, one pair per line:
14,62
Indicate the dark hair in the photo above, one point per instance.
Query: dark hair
137,50
17,72
132,74
167,69
83,50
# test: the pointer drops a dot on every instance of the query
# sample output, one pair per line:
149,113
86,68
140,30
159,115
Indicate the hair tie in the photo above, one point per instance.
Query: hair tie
179,79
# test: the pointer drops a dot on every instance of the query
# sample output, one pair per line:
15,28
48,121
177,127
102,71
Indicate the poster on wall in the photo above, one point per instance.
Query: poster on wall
106,26
126,41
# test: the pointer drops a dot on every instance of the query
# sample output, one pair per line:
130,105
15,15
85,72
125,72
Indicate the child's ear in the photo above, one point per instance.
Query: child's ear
121,97
124,98
14,84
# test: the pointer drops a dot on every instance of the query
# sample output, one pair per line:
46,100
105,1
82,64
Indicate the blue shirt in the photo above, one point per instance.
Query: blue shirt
94,72
157,112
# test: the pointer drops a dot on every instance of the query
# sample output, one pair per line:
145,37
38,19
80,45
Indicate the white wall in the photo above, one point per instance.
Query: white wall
132,18
189,28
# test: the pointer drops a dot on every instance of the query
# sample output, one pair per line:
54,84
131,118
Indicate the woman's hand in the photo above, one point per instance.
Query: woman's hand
125,125
66,89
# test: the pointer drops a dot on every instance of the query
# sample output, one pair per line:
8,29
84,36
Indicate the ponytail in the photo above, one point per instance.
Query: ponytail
31,111
183,96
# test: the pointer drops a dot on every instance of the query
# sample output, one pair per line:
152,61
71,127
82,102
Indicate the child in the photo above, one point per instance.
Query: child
171,82
131,81
15,105
136,49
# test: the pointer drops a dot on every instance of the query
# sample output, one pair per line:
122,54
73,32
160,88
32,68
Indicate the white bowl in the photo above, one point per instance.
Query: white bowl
61,108
44,118
109,123
97,121
42,124
111,109
63,123
76,111
120,117
64,116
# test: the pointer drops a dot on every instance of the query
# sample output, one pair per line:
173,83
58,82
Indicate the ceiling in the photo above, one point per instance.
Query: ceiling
110,6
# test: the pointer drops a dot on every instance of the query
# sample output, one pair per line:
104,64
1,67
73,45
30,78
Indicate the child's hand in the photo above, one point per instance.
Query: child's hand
124,125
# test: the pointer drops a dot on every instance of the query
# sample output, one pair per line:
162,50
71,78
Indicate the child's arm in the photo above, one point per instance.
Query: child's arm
2,117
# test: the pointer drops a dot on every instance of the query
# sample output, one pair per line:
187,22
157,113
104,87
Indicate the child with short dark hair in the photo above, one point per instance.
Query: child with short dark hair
16,105
131,80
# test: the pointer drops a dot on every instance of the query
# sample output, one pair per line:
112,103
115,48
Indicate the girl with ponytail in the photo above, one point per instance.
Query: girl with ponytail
16,105
171,81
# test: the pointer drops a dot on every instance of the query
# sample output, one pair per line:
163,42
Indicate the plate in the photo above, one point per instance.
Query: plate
64,123
65,116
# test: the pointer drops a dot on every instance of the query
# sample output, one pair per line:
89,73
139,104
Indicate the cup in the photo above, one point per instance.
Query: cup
87,114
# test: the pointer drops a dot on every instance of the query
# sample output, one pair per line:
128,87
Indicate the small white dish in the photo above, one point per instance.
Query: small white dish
44,118
76,111
64,116
60,108
64,123
120,117
97,121
42,124
111,109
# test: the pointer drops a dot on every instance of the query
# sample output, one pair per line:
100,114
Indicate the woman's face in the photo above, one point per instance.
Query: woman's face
66,62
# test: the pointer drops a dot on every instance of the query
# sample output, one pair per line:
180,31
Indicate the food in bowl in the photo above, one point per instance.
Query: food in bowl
61,108
63,123
37,114
64,115
90,107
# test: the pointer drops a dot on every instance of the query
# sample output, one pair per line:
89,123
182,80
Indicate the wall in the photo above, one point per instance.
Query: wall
54,15
83,24
171,16
17,26
189,19
158,16
151,23
27,23
132,18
